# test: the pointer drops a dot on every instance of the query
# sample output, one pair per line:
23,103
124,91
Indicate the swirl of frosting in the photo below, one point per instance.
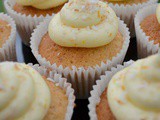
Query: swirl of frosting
84,23
158,13
24,95
41,4
133,93
117,0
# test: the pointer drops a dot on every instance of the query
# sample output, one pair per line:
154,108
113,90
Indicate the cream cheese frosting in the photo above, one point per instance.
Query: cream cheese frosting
134,93
117,0
41,4
24,95
84,23
158,13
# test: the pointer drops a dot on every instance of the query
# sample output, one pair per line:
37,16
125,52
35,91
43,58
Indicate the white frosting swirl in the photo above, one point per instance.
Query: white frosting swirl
158,13
41,4
134,94
84,23
118,0
24,95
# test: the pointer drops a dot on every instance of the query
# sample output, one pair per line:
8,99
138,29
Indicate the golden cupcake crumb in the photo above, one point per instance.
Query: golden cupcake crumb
28,10
127,2
5,31
151,27
103,110
79,57
59,103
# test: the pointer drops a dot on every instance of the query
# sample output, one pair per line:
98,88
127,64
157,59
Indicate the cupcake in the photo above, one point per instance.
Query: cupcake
81,42
128,93
147,30
28,14
7,38
126,10
46,98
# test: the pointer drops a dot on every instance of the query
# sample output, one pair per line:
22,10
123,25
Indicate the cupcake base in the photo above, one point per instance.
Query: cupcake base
99,90
58,100
61,84
151,28
128,2
5,31
145,45
86,57
25,23
104,113
127,12
28,10
8,49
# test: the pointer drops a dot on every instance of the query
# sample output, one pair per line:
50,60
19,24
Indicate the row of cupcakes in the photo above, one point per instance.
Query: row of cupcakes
28,14
146,35
144,72
30,92
127,92
82,48
84,51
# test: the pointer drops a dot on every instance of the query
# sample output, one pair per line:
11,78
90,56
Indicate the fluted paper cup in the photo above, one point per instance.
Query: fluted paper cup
82,79
145,46
8,50
127,12
62,83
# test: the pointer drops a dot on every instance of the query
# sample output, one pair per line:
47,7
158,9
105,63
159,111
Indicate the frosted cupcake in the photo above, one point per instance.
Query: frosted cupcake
28,14
33,96
7,38
128,93
81,42
126,10
147,30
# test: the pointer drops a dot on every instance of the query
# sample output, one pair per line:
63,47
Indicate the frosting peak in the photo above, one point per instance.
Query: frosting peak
84,23
84,12
117,0
137,87
24,94
41,4
158,13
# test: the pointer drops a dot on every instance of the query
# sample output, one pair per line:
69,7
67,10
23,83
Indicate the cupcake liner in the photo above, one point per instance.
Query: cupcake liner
61,82
100,86
25,23
82,79
127,13
8,50
144,45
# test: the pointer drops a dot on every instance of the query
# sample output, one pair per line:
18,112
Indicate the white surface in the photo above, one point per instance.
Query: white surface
19,51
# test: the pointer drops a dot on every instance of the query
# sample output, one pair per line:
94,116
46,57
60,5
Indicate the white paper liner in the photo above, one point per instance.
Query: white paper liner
82,79
25,23
61,82
100,86
8,50
127,13
144,45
